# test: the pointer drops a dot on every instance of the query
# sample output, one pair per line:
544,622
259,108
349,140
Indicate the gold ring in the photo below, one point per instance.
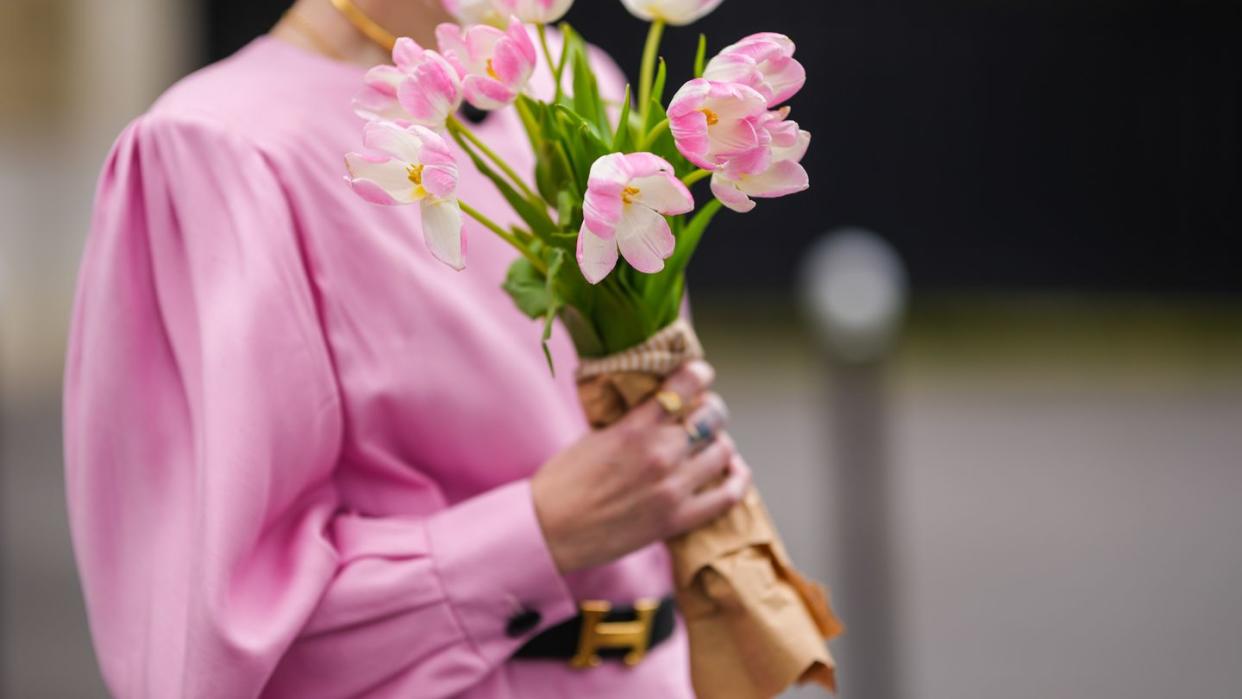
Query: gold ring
671,401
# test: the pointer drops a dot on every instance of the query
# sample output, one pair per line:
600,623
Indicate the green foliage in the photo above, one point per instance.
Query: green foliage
567,137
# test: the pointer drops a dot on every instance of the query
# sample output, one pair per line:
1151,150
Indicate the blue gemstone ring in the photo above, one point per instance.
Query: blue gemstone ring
700,434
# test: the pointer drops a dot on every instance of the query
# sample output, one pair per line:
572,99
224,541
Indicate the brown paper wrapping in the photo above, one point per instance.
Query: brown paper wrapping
756,626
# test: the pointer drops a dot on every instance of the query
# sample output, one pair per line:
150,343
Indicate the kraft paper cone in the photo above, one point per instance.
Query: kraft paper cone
755,625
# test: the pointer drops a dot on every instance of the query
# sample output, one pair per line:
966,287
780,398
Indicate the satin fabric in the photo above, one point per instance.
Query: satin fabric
298,448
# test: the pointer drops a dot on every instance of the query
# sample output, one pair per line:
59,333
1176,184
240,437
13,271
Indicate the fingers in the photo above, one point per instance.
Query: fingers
669,445
706,468
706,506
688,382
707,421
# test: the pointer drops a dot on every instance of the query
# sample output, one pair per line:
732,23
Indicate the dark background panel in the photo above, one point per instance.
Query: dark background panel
1088,145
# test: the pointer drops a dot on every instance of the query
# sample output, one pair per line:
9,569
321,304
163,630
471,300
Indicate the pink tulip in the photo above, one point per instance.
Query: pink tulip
762,61
773,170
713,122
676,12
535,11
378,97
422,88
627,198
474,11
494,65
417,167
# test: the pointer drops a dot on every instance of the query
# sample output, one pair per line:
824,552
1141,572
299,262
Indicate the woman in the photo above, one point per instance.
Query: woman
305,459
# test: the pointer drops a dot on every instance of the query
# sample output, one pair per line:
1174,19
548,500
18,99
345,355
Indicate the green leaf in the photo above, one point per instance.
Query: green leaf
690,236
656,115
586,338
568,208
535,216
528,288
586,99
700,58
621,140
527,110
553,173
556,259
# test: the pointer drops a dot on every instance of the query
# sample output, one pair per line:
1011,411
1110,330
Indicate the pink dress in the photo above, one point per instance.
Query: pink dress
298,448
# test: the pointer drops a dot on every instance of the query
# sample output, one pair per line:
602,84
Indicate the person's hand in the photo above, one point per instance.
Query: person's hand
640,480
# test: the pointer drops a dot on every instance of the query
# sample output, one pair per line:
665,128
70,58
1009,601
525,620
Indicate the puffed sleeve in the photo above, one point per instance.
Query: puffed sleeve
203,423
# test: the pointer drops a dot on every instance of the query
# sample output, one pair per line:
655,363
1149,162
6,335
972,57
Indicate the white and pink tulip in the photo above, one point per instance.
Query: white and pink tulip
675,12
421,88
534,11
763,62
494,65
714,122
416,166
776,173
628,196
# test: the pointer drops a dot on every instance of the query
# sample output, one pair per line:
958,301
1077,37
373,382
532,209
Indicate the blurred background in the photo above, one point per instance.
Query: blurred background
1000,412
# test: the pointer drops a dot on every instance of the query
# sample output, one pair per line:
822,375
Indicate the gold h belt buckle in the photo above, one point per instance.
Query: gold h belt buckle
598,634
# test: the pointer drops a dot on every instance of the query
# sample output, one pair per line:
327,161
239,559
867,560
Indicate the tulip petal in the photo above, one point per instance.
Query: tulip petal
431,92
380,180
440,180
443,231
602,208
611,169
510,64
782,179
644,238
733,137
795,152
406,54
727,192
730,68
373,104
785,77
732,101
596,256
386,137
452,42
487,94
663,193
644,165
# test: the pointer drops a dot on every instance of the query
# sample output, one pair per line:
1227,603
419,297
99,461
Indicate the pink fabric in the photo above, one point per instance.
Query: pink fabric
297,446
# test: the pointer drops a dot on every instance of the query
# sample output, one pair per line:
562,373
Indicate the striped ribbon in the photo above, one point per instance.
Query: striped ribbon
661,354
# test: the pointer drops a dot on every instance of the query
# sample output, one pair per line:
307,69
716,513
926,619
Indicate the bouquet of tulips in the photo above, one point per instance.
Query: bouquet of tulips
612,181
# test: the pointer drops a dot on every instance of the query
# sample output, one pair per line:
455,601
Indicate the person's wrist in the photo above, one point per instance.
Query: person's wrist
551,526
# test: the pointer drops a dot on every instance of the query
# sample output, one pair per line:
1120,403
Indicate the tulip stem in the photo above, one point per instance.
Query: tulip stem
655,133
696,176
454,124
504,235
647,74
547,55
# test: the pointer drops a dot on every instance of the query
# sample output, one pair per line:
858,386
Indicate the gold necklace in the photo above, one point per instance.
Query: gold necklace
304,27
365,25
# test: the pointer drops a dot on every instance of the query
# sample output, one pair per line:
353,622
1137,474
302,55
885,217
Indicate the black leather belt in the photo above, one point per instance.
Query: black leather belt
603,631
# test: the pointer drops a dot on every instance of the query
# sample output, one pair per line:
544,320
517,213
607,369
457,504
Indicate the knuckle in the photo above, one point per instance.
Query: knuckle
667,497
627,430
675,523
659,462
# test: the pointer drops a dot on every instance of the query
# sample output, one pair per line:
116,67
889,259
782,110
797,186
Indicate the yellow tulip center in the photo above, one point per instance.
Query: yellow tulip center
712,117
415,173
628,194
491,70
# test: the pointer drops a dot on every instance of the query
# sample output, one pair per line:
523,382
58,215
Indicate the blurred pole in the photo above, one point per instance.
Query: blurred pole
854,290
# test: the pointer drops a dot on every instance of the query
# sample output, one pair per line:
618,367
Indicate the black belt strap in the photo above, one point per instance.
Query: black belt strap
560,642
